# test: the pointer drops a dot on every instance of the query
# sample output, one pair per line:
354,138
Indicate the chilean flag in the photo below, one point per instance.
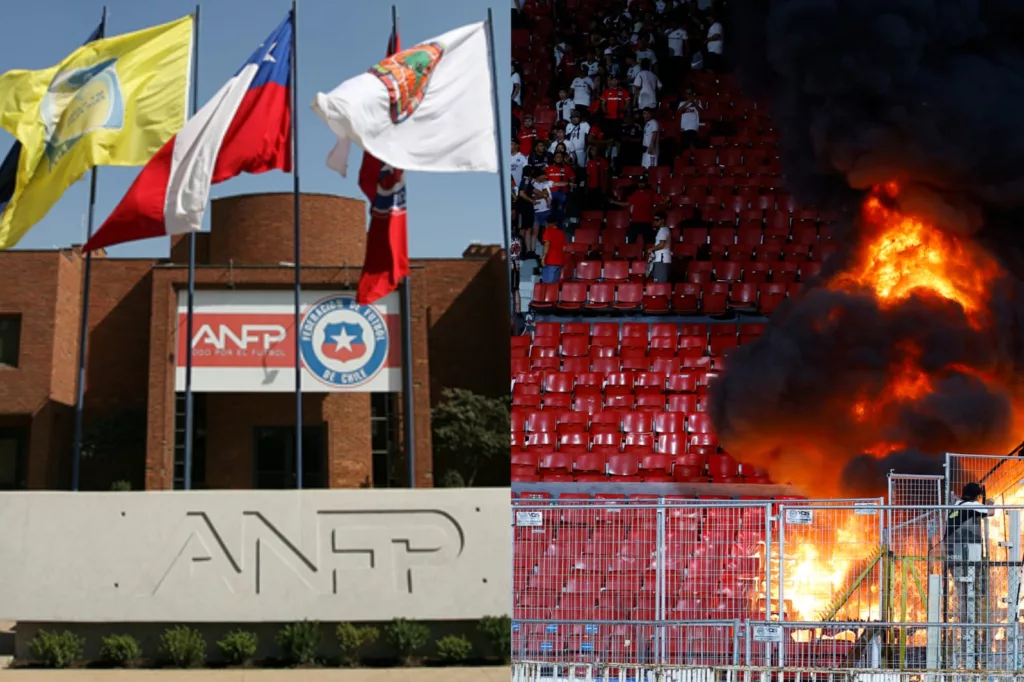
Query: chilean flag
245,127
387,242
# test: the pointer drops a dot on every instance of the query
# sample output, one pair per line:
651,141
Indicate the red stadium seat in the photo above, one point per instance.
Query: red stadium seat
714,297
772,295
628,297
588,270
545,296
573,296
601,295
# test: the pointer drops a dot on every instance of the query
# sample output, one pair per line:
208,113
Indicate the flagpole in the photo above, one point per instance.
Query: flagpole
408,401
83,331
298,247
189,403
502,168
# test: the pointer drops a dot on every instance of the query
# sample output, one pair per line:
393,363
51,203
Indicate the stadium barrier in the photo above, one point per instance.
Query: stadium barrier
823,585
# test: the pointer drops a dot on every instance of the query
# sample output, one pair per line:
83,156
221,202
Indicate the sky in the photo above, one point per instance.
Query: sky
336,41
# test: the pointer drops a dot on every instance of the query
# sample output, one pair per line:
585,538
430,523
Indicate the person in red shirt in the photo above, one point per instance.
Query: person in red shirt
597,179
527,135
615,101
560,175
642,204
553,258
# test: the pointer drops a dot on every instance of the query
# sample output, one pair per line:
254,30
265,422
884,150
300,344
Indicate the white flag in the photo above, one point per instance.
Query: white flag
427,108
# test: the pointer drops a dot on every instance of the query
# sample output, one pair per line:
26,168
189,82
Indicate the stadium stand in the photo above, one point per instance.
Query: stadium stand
625,400
610,379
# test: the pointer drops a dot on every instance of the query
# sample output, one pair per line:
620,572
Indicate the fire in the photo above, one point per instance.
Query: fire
821,573
904,256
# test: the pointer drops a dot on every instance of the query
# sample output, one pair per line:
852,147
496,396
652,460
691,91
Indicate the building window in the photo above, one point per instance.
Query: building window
13,447
198,441
10,339
275,460
384,438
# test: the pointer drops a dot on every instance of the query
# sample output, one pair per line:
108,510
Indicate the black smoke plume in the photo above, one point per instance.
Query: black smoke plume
929,93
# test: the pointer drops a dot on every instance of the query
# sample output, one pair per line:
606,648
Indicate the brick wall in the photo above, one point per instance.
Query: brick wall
460,338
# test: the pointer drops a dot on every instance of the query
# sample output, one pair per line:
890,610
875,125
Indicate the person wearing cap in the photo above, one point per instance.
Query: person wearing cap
659,255
964,549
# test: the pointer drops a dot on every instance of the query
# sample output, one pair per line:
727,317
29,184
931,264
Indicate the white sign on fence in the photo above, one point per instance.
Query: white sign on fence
529,519
800,517
767,633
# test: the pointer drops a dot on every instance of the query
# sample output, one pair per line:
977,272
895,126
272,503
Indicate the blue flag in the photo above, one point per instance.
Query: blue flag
9,167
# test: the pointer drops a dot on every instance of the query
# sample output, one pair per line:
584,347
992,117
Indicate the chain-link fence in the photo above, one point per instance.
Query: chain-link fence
674,582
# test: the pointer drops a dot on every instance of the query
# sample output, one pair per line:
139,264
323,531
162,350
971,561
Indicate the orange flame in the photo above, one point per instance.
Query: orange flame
905,256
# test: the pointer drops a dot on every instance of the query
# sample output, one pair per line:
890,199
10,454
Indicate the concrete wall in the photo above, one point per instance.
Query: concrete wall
222,556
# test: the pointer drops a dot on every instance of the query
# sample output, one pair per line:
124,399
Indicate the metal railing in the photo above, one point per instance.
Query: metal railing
834,584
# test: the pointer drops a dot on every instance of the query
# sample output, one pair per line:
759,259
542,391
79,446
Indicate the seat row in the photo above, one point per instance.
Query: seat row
654,298
697,271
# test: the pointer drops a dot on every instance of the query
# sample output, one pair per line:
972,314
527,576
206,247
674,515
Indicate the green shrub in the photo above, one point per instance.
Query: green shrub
56,649
352,639
238,647
183,647
498,631
452,479
121,486
122,651
299,642
406,637
454,649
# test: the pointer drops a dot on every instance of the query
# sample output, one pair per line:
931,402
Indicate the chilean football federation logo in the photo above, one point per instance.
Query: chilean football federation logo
78,102
343,344
405,74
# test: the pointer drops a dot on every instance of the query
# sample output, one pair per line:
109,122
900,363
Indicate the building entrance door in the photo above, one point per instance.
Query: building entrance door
274,464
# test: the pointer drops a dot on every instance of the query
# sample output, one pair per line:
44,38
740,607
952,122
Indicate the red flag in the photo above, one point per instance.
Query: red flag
387,242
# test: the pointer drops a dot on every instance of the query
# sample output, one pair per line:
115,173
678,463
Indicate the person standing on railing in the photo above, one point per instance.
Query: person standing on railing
964,552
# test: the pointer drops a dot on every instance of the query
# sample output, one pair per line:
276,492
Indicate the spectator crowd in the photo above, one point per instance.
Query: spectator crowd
603,92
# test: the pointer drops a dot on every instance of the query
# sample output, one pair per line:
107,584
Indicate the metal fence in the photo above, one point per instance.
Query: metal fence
1002,476
822,584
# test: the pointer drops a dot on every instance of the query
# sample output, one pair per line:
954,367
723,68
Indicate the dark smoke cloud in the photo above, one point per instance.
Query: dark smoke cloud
929,93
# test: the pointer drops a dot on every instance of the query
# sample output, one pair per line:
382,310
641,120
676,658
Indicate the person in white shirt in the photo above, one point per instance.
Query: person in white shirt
564,105
676,38
518,162
644,51
591,63
714,44
645,87
650,142
689,119
632,68
517,86
582,88
576,137
660,255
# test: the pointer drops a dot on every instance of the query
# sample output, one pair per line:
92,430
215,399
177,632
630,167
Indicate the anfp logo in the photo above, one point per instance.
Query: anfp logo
78,102
405,74
343,343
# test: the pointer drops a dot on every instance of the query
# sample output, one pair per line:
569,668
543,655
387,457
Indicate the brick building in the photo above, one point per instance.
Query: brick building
134,418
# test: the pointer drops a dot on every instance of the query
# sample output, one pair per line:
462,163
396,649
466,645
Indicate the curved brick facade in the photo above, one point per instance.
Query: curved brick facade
256,229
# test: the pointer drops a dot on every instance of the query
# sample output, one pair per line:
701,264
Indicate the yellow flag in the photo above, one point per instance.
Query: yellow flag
113,102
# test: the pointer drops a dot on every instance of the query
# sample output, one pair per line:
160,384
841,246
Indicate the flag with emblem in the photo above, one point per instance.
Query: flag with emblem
112,102
427,108
9,167
245,127
387,241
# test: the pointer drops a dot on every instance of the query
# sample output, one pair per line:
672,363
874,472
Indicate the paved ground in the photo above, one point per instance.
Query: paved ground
495,674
